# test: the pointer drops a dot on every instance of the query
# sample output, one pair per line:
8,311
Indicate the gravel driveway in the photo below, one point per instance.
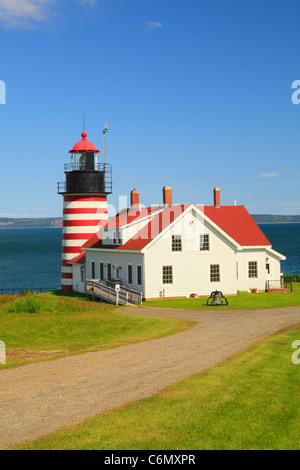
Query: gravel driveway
39,398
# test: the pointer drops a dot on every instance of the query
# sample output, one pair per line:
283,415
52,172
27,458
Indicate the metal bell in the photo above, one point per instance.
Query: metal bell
217,299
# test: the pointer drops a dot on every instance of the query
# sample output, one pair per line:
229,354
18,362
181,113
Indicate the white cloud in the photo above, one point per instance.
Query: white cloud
29,14
87,2
267,175
18,14
153,25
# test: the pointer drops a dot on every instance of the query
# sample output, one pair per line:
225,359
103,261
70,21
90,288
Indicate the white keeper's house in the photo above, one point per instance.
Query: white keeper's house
179,250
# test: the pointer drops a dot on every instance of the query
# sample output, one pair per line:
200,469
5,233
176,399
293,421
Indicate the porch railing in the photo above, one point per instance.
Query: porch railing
134,297
278,284
110,295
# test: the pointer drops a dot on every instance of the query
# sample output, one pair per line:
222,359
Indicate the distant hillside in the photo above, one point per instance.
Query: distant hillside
54,222
275,219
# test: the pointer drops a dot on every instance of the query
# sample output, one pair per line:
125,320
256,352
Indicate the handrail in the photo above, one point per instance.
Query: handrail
134,296
76,166
106,293
109,294
278,284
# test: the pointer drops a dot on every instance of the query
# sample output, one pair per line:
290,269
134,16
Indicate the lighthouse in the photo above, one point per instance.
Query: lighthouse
87,184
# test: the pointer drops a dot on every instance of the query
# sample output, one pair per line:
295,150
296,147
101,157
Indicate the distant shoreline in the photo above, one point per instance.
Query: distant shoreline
276,223
56,222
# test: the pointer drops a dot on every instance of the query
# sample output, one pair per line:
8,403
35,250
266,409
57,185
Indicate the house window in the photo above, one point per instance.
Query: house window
176,243
214,273
167,274
252,269
139,275
129,273
237,269
101,271
115,238
268,268
93,269
108,270
119,238
106,234
81,274
204,242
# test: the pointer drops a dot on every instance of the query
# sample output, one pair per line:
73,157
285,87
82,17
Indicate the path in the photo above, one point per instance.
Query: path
39,398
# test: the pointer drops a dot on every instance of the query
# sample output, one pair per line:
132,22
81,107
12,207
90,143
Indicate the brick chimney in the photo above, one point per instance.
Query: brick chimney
134,198
167,195
217,200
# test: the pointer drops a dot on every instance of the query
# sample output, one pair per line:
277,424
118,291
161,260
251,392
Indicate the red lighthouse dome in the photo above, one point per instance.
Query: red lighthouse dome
84,146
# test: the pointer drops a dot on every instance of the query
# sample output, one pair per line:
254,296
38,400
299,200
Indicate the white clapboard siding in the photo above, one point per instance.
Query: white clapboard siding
191,267
244,283
116,259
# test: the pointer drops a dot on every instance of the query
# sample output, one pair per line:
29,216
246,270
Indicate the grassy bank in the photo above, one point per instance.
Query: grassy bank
242,300
250,401
39,327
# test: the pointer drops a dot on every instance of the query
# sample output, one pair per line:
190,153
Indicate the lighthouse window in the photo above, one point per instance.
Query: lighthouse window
82,160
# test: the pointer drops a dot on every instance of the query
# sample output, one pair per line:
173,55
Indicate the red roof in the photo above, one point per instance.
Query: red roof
238,224
84,145
127,216
156,225
235,221
141,239
123,218
80,259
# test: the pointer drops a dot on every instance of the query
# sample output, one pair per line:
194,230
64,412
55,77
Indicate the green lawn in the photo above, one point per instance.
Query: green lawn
251,401
242,300
71,325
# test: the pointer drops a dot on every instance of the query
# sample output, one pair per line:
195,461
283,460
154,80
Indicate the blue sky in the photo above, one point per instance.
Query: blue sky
196,93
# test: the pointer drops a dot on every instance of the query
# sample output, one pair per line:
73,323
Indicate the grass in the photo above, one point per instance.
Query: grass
250,401
242,300
36,327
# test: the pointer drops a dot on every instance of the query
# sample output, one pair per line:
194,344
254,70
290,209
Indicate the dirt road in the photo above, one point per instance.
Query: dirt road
42,397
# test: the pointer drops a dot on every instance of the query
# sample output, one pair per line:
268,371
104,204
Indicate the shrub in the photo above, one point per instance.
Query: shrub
291,278
27,305
27,292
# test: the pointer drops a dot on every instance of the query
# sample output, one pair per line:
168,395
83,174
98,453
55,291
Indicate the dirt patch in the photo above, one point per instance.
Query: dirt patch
30,354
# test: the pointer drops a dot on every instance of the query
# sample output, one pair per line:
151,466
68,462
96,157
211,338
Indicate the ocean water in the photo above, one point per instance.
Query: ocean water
31,258
285,238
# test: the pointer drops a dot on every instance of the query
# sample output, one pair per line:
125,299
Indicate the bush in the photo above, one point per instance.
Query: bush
291,278
27,305
27,292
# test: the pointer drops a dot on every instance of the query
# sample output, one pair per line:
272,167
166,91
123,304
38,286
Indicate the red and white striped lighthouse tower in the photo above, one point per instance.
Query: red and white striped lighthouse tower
85,189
